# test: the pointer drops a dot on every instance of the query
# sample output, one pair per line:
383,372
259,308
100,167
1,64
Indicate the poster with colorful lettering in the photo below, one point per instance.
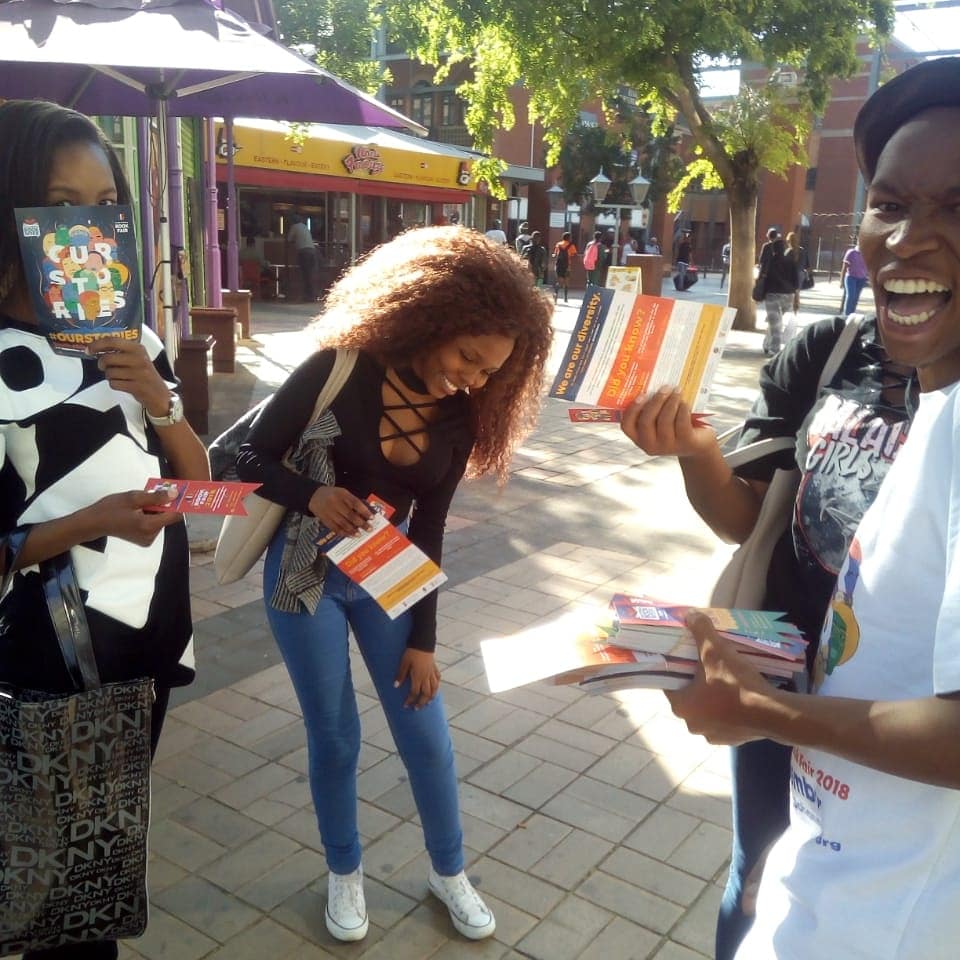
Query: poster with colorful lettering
624,345
83,273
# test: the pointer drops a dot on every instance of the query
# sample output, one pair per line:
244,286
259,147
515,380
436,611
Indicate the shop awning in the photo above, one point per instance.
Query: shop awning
356,159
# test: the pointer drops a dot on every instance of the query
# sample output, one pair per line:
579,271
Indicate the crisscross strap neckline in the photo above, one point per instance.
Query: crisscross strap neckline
414,407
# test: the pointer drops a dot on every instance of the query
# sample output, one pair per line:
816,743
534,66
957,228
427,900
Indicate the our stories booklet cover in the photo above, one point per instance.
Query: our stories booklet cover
625,344
83,273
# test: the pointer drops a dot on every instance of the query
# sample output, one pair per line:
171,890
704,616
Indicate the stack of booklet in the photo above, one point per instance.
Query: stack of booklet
639,642
658,631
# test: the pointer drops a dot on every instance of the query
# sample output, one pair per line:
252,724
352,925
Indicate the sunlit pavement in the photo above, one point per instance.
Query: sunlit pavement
596,827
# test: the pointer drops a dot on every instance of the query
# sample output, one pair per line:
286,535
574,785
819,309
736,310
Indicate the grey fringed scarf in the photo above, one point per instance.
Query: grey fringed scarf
303,567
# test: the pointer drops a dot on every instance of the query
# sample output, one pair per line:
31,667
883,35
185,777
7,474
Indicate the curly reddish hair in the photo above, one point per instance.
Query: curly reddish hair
430,285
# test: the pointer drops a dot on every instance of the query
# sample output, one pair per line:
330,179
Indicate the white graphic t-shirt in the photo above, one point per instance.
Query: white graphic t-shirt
869,868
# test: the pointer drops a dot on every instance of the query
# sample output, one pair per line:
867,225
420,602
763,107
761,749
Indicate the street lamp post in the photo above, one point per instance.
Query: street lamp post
599,186
557,203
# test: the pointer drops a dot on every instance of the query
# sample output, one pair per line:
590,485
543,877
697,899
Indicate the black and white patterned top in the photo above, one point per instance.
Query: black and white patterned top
67,439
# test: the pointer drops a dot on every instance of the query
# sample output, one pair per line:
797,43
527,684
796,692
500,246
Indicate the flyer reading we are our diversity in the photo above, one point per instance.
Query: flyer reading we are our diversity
625,344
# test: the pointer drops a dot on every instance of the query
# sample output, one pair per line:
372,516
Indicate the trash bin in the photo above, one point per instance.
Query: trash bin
651,272
191,370
221,324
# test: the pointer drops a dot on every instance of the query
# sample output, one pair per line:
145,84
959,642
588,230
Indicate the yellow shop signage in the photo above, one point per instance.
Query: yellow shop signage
365,159
328,151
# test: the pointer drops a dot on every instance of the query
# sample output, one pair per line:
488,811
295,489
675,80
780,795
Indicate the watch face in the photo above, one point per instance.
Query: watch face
176,409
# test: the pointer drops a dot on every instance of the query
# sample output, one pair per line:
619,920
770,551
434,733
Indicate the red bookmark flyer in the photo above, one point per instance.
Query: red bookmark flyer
216,497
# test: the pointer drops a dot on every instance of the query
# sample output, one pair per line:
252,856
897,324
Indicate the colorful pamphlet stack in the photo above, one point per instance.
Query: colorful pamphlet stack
764,638
638,642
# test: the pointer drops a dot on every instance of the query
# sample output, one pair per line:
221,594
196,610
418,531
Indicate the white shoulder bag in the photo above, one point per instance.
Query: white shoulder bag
242,540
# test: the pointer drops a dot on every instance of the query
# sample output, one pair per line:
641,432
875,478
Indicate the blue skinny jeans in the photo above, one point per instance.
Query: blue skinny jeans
315,650
760,793
852,288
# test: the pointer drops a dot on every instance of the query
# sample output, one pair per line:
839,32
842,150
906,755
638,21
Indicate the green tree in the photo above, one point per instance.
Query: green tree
338,35
625,146
567,54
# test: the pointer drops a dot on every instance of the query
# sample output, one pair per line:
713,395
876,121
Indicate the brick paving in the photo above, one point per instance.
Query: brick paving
595,827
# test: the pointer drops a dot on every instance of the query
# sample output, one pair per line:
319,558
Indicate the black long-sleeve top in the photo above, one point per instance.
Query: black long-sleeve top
427,486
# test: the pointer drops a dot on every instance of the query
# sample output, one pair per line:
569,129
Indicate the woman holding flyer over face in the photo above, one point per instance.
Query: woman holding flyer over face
451,341
80,435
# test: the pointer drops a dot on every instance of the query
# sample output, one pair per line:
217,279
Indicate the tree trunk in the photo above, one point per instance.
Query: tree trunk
743,218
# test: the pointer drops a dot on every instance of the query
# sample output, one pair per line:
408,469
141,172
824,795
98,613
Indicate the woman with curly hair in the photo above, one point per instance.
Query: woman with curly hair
451,340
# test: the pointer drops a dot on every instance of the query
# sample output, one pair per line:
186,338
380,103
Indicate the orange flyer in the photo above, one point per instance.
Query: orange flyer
624,345
394,571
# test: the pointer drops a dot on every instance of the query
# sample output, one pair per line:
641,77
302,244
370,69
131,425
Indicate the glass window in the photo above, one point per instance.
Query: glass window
451,110
422,109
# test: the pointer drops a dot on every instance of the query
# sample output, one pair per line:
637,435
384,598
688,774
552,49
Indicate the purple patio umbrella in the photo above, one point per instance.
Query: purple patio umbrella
116,57
168,58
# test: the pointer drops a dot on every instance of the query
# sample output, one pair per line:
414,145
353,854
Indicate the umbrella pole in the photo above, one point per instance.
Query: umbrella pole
170,340
146,222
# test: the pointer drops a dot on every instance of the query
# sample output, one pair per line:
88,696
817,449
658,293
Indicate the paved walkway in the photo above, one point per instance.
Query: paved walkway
596,827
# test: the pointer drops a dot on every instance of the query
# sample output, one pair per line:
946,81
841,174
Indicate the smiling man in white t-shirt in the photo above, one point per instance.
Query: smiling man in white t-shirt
869,868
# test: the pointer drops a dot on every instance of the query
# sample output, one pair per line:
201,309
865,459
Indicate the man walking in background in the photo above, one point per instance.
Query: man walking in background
298,236
495,233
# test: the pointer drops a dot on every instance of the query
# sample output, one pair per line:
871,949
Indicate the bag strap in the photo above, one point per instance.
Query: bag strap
65,605
343,365
12,546
840,350
765,448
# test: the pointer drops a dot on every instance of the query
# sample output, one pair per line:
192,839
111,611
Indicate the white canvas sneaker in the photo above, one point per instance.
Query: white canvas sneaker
470,915
346,913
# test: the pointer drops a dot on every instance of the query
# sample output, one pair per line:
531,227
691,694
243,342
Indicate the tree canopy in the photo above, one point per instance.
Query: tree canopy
337,34
568,53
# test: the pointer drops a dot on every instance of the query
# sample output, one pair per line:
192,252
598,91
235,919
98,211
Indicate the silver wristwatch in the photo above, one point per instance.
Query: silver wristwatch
174,414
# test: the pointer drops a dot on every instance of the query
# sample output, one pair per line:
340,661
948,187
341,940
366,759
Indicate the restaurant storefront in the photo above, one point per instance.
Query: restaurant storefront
354,187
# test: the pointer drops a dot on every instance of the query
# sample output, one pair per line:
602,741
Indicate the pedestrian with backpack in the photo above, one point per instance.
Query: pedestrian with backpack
523,237
535,253
562,254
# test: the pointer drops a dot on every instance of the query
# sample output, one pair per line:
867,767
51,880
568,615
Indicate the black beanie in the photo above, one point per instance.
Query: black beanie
934,83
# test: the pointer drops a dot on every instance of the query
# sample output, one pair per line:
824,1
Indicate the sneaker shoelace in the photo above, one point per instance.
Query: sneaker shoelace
347,895
466,896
